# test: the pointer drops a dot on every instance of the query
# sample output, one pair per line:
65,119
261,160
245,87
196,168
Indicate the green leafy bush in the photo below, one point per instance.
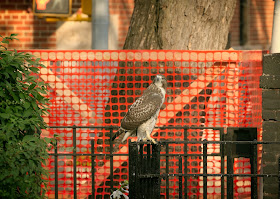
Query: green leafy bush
22,104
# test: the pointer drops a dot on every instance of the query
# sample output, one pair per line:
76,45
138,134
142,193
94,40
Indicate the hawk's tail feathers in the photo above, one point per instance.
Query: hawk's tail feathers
120,131
117,142
115,135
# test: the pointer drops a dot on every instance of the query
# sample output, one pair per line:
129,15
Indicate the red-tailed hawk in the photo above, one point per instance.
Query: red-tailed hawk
141,117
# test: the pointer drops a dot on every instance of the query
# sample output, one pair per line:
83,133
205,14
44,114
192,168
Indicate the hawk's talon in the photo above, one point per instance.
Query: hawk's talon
153,141
150,138
144,140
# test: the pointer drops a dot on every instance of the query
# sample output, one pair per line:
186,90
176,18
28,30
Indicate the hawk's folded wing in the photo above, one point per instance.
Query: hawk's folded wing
141,110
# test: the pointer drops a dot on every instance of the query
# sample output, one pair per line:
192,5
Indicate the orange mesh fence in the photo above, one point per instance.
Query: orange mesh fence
205,88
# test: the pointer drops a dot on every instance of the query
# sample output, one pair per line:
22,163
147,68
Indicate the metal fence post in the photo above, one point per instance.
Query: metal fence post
167,170
222,150
156,169
75,160
149,170
230,163
254,170
92,170
186,162
205,169
111,160
180,178
55,172
144,171
133,160
279,177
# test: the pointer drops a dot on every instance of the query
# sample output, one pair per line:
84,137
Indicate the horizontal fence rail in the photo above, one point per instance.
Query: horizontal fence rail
183,176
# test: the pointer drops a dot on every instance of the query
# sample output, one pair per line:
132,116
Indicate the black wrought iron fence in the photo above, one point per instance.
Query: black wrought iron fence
146,161
74,154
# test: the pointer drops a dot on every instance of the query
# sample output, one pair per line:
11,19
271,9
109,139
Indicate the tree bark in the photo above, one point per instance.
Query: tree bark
180,24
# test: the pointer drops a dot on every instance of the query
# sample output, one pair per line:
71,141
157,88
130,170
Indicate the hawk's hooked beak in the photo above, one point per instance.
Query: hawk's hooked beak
160,81
158,78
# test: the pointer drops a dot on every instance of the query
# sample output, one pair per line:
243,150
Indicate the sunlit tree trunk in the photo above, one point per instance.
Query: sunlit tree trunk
180,24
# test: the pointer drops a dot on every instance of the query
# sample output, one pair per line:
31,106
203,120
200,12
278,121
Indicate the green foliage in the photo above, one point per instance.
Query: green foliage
22,104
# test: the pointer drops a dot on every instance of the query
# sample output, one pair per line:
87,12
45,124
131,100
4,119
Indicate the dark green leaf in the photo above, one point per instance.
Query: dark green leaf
29,138
48,140
27,113
14,96
34,105
31,86
8,84
26,105
21,95
34,69
4,115
5,42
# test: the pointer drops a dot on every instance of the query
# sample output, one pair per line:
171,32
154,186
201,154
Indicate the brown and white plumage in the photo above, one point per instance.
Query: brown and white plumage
141,117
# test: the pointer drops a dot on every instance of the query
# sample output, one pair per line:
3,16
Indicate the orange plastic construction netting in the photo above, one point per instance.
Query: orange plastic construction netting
205,88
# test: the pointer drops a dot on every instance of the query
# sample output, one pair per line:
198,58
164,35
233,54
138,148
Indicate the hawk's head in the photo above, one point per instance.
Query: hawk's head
160,81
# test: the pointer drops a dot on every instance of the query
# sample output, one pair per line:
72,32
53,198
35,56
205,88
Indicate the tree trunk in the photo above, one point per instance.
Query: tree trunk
180,24
166,24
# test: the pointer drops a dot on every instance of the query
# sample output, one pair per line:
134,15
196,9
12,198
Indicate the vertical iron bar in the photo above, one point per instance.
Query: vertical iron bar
111,160
156,170
279,177
140,187
141,148
75,160
186,162
133,171
222,150
180,178
167,170
92,170
230,163
205,169
55,172
152,171
254,166
148,167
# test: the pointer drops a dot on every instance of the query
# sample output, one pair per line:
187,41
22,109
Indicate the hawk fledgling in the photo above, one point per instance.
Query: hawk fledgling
141,117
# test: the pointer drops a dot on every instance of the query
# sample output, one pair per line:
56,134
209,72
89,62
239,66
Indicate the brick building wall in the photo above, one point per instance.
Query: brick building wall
123,9
35,33
270,84
16,17
258,28
261,20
